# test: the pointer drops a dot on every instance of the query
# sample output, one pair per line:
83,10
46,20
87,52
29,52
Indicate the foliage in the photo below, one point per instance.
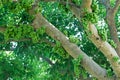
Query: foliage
76,63
39,57
112,43
73,39
91,16
103,34
18,67
116,58
77,2
60,50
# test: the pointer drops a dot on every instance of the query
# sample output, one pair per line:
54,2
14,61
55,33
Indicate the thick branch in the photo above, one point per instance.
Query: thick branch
111,22
104,46
112,27
111,12
71,48
117,4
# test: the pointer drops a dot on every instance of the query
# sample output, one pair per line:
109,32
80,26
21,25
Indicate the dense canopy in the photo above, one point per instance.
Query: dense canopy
59,40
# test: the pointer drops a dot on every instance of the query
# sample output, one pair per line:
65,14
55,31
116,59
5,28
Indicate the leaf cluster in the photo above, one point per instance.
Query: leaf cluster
112,43
103,34
22,32
60,50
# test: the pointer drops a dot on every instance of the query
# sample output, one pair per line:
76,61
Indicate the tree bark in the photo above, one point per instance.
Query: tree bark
111,12
72,49
104,46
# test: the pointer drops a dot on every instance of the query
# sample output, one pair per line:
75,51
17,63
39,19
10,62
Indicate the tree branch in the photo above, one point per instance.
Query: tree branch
117,4
105,47
71,48
111,12
111,22
112,27
92,67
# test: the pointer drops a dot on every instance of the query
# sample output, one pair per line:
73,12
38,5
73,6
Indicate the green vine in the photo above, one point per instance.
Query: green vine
60,50
76,63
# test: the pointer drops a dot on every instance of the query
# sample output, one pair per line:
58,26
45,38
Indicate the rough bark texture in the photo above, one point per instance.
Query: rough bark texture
113,30
72,49
111,12
104,46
